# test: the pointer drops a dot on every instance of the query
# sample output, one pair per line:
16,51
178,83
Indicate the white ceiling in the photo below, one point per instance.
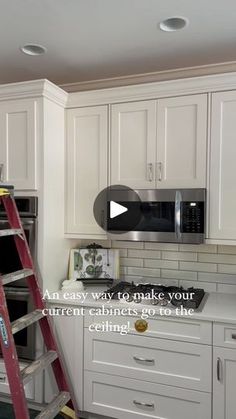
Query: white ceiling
94,39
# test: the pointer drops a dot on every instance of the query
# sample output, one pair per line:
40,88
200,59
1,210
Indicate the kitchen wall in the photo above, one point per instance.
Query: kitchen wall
208,266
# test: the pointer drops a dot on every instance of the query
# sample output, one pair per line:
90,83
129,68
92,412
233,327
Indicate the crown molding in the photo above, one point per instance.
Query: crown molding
157,76
155,90
33,89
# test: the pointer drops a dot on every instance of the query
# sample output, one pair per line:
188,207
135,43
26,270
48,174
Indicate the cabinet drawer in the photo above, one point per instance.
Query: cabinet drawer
124,398
187,330
4,386
224,335
156,360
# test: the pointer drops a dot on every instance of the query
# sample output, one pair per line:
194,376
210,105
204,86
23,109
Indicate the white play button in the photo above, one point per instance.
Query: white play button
116,209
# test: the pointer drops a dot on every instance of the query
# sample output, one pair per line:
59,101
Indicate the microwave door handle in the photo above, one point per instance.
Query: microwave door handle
178,200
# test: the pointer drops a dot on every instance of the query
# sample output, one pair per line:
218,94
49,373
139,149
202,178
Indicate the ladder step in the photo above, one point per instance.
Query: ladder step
31,370
10,232
15,276
26,321
52,409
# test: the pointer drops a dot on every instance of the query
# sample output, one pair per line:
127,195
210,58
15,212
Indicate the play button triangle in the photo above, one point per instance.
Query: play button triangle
116,209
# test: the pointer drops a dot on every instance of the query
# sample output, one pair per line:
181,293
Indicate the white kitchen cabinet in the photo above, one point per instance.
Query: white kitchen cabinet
18,140
160,143
133,144
159,374
87,168
69,333
182,142
224,383
222,184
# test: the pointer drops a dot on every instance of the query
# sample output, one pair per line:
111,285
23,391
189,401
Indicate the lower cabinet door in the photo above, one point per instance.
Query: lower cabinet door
69,334
224,383
124,398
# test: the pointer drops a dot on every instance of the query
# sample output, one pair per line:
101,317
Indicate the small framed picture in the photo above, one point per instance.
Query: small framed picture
94,264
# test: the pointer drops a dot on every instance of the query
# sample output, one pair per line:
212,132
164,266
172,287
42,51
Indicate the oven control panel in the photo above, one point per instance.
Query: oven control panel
192,217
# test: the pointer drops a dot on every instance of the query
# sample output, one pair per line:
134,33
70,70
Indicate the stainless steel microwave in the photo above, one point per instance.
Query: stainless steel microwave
164,215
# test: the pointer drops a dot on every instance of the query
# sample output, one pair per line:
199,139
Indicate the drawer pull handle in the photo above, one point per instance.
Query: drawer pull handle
234,336
3,379
149,405
146,361
219,369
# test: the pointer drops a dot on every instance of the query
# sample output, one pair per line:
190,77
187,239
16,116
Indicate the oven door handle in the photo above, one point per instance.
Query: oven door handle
27,222
16,292
178,200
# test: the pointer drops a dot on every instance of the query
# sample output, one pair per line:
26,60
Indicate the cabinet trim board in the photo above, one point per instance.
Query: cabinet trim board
154,90
33,89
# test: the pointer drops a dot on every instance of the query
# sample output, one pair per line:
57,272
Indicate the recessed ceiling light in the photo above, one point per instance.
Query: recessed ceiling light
33,49
173,24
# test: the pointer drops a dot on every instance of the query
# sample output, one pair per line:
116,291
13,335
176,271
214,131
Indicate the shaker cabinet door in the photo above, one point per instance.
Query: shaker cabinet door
86,168
224,383
18,139
222,185
133,144
182,142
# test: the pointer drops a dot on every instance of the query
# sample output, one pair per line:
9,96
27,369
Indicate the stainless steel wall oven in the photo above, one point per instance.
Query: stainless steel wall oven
17,295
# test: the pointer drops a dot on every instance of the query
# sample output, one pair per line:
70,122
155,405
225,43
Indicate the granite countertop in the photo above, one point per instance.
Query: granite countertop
216,307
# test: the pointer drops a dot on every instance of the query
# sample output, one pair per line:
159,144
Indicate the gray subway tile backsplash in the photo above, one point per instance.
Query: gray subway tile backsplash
207,266
210,267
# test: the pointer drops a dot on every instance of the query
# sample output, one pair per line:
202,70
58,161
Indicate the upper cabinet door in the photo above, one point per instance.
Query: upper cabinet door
86,166
182,142
133,144
18,138
222,187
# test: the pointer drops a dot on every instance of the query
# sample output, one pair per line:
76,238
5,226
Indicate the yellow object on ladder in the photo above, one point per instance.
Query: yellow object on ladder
4,191
68,413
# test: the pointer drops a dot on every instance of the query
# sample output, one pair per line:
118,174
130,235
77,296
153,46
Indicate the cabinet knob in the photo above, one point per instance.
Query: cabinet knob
234,336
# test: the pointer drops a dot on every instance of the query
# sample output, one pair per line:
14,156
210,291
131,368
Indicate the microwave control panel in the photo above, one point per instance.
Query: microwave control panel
192,217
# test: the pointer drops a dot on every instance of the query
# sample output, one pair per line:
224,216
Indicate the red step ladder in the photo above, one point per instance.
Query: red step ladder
16,378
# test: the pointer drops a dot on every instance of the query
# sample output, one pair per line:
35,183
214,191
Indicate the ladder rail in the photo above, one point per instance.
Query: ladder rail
11,361
59,369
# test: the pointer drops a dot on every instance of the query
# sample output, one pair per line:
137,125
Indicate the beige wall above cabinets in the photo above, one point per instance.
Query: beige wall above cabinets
86,168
